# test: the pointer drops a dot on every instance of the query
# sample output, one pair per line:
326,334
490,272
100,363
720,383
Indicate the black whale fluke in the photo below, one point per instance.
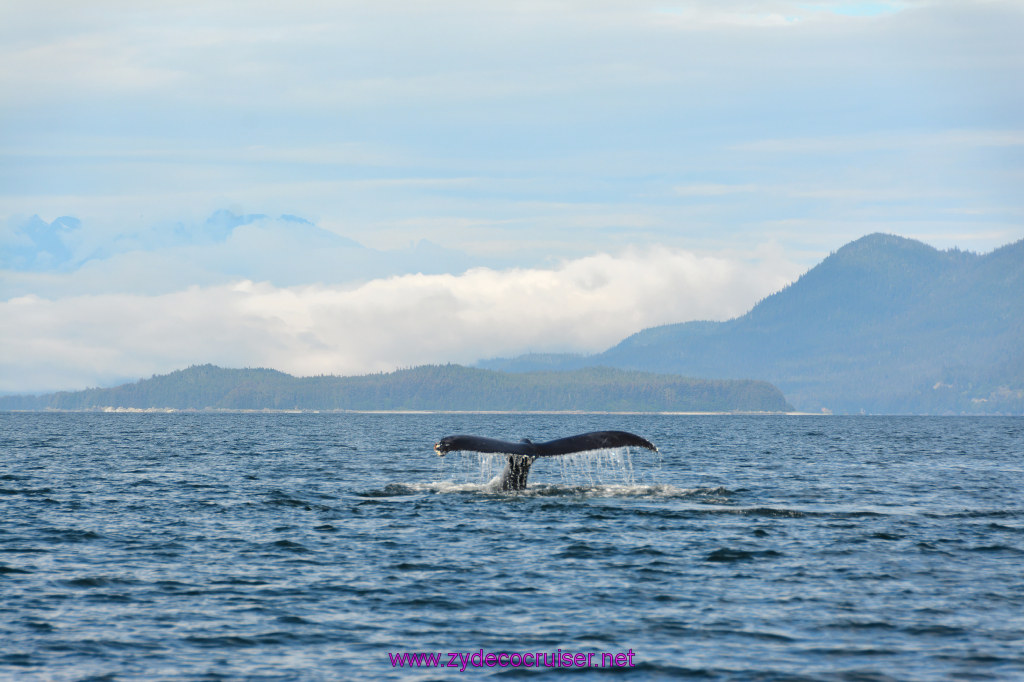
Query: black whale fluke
522,454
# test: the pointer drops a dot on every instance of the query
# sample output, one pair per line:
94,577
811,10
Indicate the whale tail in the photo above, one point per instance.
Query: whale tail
522,455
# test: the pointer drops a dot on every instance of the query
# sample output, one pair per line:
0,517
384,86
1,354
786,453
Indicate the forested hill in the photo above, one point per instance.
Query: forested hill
883,325
448,387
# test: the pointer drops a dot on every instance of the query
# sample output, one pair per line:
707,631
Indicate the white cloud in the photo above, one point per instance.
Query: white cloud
586,304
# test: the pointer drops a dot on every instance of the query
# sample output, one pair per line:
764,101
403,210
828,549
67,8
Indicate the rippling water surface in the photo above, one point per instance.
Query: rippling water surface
309,546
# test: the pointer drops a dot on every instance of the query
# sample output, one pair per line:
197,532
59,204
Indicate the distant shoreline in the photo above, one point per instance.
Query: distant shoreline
174,410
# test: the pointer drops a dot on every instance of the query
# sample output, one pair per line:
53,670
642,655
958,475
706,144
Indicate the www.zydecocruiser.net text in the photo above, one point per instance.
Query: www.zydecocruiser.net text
462,660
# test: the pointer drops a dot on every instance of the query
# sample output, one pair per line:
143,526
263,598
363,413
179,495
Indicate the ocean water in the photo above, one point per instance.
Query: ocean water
325,546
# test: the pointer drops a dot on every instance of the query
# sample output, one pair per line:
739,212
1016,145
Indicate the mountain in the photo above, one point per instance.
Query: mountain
35,245
66,258
883,325
448,387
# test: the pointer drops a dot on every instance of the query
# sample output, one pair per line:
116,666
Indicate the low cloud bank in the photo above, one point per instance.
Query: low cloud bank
582,305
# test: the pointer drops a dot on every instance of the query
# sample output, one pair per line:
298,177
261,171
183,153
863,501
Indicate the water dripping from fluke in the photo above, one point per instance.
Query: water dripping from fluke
599,462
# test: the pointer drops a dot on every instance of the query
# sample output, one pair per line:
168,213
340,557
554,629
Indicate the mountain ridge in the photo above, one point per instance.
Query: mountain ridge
427,387
885,324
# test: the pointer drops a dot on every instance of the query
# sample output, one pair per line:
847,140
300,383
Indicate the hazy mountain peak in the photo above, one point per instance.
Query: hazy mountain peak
221,223
35,245
882,251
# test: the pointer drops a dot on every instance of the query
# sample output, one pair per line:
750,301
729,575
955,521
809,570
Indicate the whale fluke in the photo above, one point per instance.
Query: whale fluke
522,454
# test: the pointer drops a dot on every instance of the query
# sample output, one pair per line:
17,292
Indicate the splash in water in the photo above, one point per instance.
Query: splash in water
613,467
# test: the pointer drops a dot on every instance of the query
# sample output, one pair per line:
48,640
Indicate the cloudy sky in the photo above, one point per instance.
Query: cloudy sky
345,187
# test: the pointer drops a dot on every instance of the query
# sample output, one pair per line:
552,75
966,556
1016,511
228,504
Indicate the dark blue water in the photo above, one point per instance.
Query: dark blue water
307,546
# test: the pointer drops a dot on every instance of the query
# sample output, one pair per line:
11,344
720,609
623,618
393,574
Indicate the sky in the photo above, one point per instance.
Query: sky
333,187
